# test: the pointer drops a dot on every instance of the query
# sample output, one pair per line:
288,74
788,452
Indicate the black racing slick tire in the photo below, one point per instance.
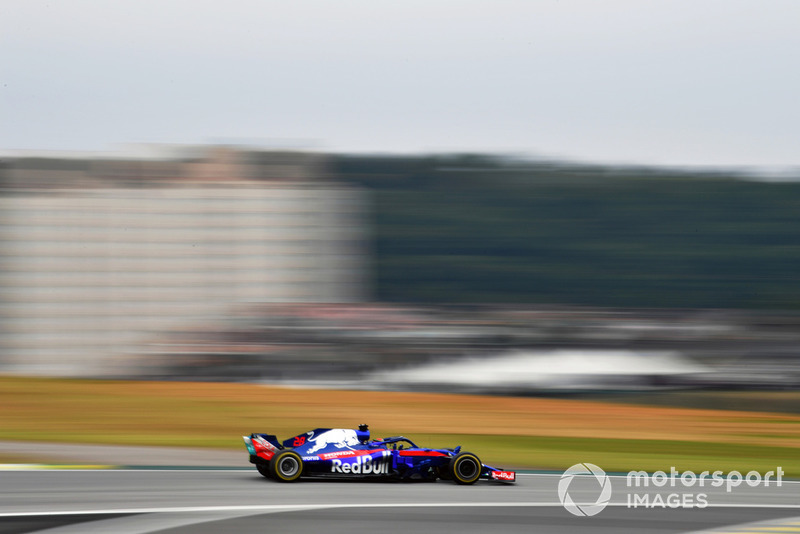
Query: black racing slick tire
444,472
465,468
264,470
286,466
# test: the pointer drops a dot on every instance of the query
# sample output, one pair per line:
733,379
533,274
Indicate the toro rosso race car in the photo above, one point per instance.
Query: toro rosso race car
347,453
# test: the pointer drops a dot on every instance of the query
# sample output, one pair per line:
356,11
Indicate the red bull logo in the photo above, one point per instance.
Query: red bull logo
338,437
508,476
363,465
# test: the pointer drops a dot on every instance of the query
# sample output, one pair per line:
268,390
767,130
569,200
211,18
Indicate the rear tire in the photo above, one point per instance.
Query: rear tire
286,466
264,470
465,468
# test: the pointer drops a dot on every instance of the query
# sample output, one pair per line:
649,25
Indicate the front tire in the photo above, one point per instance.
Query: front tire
465,468
286,466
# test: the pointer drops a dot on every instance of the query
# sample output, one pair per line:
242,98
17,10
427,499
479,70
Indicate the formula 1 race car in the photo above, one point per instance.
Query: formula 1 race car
347,453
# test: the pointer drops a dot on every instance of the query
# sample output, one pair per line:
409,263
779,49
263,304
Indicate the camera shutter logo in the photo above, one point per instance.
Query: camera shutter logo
584,509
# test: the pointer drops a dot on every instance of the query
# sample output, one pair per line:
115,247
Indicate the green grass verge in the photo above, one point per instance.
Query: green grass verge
503,431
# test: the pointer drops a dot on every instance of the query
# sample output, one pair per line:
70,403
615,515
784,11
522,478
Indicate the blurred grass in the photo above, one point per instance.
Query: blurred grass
785,401
507,431
25,459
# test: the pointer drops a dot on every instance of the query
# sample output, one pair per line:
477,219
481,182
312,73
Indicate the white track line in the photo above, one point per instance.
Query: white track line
304,507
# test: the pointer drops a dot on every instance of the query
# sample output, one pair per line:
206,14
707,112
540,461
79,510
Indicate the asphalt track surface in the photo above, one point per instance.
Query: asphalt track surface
237,500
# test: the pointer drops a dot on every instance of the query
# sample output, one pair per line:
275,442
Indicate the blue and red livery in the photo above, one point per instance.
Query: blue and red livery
348,453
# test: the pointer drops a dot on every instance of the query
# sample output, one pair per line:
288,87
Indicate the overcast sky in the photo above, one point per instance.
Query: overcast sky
677,82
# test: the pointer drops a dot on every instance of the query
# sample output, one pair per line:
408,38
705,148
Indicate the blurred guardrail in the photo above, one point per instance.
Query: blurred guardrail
512,349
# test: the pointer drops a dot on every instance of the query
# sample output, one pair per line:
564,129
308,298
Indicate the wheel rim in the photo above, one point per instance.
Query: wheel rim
288,466
467,468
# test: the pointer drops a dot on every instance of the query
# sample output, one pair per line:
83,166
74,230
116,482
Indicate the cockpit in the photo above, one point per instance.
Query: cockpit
398,443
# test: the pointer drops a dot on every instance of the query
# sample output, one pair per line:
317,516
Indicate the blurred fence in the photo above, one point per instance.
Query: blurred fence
496,349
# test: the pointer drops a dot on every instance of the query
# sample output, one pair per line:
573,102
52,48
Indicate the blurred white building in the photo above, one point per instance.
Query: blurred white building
98,262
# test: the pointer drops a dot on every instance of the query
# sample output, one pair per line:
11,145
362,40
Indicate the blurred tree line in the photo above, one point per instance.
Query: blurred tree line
481,229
